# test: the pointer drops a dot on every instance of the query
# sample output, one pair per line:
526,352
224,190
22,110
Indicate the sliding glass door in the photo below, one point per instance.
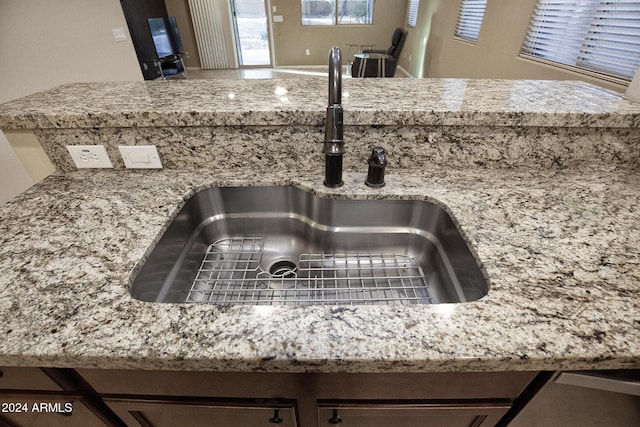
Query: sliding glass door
252,32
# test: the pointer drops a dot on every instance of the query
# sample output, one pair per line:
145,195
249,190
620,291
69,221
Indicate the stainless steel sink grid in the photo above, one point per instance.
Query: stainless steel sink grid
283,245
231,273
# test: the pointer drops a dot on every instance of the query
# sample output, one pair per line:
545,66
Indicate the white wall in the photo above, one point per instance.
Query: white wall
45,43
14,179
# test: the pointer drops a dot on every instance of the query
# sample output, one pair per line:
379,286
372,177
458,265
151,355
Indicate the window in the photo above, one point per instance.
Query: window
330,12
470,18
600,36
412,12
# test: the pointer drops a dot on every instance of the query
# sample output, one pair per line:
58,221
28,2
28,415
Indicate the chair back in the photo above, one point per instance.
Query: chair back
397,42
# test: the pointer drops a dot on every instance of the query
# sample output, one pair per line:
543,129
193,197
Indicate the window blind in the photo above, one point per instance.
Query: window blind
470,18
412,13
602,36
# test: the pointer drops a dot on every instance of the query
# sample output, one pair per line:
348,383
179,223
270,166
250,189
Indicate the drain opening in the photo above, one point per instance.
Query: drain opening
284,269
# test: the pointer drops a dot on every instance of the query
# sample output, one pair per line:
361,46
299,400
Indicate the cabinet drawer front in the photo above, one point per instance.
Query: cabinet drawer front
25,379
171,412
414,414
462,385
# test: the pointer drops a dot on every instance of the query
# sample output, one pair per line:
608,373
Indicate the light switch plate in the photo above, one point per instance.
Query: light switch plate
140,156
118,34
89,156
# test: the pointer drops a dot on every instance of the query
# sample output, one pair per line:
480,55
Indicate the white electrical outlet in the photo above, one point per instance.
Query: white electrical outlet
140,156
308,52
89,156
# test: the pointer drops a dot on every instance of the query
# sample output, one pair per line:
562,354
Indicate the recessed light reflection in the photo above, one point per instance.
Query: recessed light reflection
264,310
231,96
445,309
345,94
280,91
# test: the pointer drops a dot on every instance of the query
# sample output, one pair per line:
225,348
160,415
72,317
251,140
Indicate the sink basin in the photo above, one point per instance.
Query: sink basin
283,245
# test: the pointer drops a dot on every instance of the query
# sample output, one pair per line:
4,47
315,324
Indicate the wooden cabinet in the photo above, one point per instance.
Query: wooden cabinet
136,13
146,398
411,414
92,397
13,378
28,397
167,412
35,409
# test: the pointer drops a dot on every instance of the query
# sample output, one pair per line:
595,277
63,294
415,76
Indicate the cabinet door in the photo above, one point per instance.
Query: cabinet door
171,412
25,379
45,409
412,414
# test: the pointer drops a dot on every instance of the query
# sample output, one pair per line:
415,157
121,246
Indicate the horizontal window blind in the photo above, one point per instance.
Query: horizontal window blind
602,36
470,18
412,13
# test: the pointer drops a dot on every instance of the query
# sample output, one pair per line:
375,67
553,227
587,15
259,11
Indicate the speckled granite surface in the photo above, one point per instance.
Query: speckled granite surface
555,220
279,123
408,147
561,249
421,102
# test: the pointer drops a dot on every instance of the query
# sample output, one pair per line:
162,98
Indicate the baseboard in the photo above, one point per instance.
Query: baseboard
404,72
320,67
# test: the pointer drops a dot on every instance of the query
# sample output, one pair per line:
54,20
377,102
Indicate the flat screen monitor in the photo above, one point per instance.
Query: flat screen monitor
166,37
175,35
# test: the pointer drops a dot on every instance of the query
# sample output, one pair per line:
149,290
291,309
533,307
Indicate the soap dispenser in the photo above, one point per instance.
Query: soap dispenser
377,163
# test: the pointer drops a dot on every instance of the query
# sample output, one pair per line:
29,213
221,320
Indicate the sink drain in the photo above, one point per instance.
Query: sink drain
283,269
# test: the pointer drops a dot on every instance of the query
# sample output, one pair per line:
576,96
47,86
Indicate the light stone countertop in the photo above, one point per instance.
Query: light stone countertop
560,245
303,101
560,248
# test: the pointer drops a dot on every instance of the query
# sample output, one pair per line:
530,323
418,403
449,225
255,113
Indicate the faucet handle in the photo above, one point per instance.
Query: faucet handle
377,163
378,157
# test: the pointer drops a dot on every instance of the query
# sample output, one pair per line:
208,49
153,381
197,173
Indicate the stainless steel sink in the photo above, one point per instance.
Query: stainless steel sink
283,245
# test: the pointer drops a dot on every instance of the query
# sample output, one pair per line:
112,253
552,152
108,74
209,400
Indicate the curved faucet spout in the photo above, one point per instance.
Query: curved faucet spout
333,128
335,76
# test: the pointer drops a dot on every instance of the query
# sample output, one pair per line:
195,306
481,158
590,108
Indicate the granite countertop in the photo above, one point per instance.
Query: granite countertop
303,101
560,248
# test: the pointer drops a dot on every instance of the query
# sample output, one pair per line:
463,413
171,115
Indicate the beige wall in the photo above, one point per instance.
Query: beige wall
14,178
413,55
45,43
496,54
633,91
291,38
180,9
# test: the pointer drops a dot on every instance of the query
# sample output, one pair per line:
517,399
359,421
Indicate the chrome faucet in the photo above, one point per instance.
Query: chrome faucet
333,148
